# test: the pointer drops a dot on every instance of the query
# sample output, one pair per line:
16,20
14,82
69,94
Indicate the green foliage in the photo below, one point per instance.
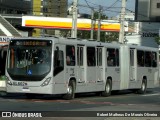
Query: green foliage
112,36
83,34
157,39
65,33
102,16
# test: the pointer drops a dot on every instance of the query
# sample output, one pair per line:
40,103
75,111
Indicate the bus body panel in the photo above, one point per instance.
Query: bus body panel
144,72
29,87
113,71
124,60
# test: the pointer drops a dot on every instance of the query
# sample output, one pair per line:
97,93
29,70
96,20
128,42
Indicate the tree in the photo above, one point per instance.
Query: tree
157,39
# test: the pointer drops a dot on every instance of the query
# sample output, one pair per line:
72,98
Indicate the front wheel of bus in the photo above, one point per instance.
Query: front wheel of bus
70,91
143,88
108,88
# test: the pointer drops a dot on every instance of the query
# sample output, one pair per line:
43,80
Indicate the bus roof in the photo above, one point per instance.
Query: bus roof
75,41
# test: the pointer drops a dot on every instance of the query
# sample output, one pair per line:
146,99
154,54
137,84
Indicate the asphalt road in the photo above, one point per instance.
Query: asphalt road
124,101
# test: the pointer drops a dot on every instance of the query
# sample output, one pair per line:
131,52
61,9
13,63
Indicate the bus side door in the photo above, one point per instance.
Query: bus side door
81,79
132,68
91,69
100,69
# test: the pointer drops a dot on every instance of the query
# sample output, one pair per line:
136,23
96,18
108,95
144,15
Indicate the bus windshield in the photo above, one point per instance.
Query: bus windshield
29,60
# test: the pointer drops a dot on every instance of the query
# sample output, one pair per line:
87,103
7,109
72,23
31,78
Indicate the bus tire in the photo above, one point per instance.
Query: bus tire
143,88
70,91
108,88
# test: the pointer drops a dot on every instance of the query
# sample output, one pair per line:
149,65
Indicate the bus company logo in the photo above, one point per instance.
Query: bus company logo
6,114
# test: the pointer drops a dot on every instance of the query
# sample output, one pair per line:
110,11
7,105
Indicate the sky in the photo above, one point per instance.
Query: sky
110,8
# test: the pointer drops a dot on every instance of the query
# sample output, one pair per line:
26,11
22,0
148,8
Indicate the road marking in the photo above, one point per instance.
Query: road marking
152,94
38,101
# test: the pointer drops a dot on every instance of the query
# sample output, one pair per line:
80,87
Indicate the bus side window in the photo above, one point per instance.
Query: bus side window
111,57
70,55
154,59
99,56
147,59
140,58
117,57
58,61
91,61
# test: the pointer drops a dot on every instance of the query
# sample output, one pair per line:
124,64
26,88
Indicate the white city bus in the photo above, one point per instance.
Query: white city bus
68,66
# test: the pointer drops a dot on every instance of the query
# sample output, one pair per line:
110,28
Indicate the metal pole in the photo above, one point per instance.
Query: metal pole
122,16
92,24
99,24
74,20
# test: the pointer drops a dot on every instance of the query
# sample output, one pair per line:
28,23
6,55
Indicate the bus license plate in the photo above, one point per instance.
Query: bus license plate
19,83
25,89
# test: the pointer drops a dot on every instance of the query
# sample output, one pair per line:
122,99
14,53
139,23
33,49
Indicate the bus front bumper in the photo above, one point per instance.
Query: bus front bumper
30,89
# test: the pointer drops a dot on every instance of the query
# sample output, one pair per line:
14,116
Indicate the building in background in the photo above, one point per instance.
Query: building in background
13,10
147,10
49,8
147,26
15,7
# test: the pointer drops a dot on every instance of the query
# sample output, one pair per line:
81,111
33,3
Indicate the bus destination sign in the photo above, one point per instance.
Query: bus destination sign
30,43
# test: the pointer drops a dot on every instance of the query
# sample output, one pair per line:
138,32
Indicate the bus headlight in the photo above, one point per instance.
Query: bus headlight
8,81
46,82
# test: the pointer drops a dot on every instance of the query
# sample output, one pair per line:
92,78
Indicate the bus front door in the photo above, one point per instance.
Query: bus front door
58,72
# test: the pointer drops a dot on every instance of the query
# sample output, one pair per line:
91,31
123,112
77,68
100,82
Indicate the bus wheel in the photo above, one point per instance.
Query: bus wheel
108,88
70,91
143,88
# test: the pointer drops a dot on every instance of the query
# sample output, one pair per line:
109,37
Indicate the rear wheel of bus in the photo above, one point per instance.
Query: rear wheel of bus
108,88
70,91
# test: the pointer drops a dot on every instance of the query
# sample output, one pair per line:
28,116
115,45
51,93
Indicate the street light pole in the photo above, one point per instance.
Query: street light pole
99,24
92,24
74,20
122,16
